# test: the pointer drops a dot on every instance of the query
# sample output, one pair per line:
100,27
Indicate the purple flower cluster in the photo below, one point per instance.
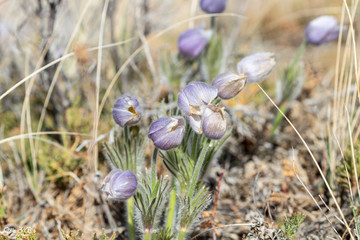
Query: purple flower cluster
204,117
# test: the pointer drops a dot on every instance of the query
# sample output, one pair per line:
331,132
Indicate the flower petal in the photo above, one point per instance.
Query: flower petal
167,132
322,30
213,122
229,84
257,67
195,94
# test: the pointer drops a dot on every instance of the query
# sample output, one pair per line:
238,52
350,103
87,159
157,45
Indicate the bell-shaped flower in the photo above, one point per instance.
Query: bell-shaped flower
120,185
167,132
322,30
257,67
213,6
192,42
229,84
214,122
192,100
127,110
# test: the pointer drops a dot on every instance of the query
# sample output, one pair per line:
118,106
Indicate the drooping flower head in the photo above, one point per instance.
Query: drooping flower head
192,42
127,110
322,30
120,185
229,84
213,122
257,67
213,6
192,100
167,132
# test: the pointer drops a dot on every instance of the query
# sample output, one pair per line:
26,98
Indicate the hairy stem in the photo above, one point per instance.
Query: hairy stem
182,234
197,170
172,206
154,166
130,216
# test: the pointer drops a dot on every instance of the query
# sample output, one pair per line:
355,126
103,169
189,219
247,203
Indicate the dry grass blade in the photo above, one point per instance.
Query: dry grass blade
354,46
57,72
313,158
94,149
352,151
27,135
314,200
71,54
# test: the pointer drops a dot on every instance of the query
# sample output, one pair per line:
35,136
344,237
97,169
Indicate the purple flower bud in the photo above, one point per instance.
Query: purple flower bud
229,84
120,185
322,30
167,132
127,110
213,6
257,67
192,42
213,122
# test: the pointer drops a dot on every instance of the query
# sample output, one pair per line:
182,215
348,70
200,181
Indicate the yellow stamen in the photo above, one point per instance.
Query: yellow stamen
132,110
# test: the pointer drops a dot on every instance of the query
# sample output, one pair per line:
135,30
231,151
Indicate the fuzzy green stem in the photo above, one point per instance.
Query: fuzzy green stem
147,234
172,206
194,146
130,216
127,143
197,169
182,234
212,22
299,53
278,119
154,166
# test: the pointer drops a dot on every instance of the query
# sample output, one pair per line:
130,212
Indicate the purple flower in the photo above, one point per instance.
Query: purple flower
213,6
257,67
192,100
229,84
127,110
167,132
213,122
322,30
120,185
192,42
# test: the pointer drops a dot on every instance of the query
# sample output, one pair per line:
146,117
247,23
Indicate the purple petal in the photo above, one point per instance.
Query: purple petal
167,132
257,67
195,123
192,42
106,184
195,94
229,84
213,6
322,30
127,110
119,185
123,185
213,122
